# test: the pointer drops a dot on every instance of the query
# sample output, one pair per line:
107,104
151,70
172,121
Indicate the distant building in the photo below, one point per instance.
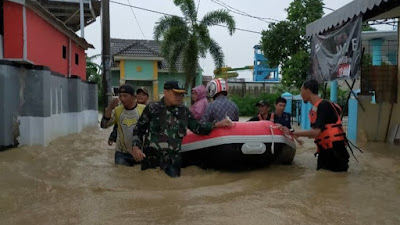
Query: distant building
262,71
43,71
140,63
31,34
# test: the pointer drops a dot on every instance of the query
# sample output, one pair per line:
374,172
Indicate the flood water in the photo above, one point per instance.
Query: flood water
74,181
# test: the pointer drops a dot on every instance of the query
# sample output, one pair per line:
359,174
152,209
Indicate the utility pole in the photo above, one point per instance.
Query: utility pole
105,56
82,18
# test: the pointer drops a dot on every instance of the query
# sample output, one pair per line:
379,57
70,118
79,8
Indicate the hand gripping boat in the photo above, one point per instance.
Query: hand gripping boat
244,145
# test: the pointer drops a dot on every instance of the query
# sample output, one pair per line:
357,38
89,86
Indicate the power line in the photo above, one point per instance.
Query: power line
167,14
198,5
137,21
242,13
390,22
328,8
144,9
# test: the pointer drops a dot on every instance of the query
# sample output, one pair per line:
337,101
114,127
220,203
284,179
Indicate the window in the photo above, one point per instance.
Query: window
64,52
76,59
381,80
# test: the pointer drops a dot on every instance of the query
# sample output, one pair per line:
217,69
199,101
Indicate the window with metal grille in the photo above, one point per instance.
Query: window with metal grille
379,70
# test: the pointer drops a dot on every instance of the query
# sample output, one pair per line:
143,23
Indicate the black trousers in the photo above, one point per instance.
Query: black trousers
335,159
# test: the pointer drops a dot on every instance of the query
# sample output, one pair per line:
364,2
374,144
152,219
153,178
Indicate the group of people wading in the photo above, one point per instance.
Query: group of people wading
151,132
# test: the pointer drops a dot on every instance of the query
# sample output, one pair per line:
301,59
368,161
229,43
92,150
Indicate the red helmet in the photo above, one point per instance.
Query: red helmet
216,86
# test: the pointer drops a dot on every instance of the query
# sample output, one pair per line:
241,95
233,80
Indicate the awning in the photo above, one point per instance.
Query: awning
371,9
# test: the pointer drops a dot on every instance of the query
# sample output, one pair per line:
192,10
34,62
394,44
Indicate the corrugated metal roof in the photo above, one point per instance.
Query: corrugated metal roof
141,49
67,11
349,11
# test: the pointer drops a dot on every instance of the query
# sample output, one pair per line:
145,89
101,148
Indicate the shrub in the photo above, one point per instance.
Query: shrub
247,104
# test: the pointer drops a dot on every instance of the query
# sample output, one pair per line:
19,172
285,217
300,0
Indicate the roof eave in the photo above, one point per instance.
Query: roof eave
46,15
366,7
120,57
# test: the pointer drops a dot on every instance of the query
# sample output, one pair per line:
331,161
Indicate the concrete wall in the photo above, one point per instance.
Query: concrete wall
373,122
41,105
250,88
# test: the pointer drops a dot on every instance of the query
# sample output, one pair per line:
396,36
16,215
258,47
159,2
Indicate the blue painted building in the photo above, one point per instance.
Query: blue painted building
262,72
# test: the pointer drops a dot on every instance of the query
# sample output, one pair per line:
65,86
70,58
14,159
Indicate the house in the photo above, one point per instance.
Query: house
372,120
43,71
31,34
140,63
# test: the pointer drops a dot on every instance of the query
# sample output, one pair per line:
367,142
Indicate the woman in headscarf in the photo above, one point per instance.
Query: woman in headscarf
199,101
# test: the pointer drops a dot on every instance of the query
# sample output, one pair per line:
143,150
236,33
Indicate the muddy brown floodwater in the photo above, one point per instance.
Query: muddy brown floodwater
74,181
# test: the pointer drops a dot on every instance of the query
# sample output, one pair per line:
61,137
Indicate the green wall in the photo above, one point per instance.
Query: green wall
131,72
115,78
199,78
146,84
163,77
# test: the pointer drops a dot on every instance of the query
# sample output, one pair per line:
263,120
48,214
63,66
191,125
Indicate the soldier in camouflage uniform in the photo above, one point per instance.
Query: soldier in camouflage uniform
161,128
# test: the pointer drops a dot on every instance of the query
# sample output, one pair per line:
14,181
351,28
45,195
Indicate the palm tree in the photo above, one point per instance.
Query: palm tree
93,70
93,74
186,38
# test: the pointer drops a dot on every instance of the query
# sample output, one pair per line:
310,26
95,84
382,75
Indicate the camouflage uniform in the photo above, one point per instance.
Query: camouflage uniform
162,129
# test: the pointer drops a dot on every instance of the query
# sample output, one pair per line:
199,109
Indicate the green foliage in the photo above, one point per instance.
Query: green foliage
285,43
296,69
247,104
367,27
189,39
366,60
93,74
280,88
342,96
92,69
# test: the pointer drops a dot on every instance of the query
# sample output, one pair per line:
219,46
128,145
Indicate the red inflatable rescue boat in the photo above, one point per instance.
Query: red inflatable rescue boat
244,145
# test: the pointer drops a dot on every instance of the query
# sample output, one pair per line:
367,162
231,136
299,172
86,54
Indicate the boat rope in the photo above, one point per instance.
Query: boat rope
272,141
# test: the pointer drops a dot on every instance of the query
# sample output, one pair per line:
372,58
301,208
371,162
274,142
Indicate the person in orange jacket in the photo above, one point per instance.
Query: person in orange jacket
326,129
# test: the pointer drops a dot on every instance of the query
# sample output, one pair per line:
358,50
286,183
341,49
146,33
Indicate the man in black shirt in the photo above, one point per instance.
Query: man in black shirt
263,111
326,129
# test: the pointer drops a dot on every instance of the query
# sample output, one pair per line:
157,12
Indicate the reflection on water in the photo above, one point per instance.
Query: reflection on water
74,181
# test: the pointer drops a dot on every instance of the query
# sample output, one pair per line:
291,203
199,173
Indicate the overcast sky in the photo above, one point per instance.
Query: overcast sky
238,48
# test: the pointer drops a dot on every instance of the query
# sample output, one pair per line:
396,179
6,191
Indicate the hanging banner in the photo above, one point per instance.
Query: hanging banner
336,54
